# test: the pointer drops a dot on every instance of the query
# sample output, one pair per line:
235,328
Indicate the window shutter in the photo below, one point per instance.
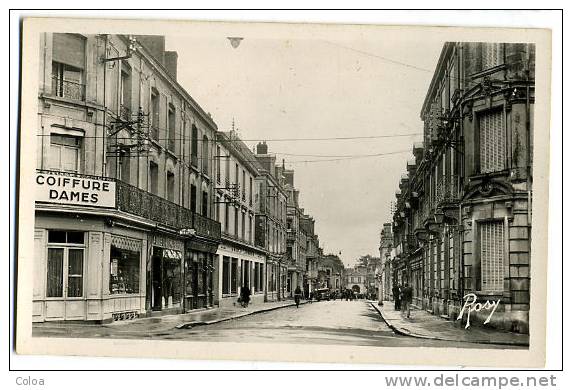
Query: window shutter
493,141
69,49
492,256
491,55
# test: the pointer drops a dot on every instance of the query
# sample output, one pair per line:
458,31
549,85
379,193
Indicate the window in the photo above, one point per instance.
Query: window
243,185
236,222
243,226
205,204
170,186
491,256
124,265
65,153
194,198
205,155
226,215
125,107
155,114
249,228
65,264
250,192
492,142
194,146
218,157
225,275
125,166
68,66
491,55
154,178
227,171
171,129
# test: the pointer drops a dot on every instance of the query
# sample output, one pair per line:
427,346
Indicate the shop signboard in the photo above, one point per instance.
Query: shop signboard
85,191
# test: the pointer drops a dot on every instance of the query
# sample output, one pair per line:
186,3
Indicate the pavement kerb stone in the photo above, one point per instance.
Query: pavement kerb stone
188,325
405,332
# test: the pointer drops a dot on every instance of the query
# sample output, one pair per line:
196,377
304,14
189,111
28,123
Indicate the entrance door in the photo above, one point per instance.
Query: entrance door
157,280
64,287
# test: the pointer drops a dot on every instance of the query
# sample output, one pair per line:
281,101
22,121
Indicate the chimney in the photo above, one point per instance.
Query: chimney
155,44
262,148
289,176
171,63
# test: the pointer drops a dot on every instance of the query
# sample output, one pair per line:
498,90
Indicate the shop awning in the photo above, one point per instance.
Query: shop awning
125,243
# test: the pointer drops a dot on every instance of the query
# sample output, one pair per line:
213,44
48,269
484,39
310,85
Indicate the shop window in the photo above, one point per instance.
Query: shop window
225,275
492,138
491,253
124,266
172,277
65,264
234,276
68,66
65,153
55,272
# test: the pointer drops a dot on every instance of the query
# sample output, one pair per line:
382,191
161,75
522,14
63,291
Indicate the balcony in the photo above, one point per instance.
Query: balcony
447,191
291,235
68,89
124,113
138,202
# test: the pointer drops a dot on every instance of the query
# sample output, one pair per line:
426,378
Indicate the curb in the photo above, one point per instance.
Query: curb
192,324
407,333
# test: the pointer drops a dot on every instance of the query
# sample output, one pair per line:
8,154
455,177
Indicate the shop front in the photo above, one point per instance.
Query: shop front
165,274
199,274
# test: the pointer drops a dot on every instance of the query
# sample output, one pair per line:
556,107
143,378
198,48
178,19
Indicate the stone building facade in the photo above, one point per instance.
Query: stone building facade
124,217
464,207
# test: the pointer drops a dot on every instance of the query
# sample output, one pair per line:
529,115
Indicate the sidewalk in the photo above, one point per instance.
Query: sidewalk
427,326
149,325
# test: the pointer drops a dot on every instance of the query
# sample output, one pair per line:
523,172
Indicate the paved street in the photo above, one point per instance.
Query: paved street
330,322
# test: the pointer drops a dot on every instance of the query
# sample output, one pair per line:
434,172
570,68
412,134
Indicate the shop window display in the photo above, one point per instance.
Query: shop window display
124,271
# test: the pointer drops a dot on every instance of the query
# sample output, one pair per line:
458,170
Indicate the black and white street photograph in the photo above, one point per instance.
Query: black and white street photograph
365,187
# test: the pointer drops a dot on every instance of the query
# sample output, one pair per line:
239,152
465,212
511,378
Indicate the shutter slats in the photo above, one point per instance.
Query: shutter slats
493,141
492,256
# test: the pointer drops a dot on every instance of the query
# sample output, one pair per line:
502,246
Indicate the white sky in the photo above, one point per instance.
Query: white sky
306,88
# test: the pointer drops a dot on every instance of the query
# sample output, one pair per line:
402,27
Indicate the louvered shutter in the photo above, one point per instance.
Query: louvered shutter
491,55
493,142
492,256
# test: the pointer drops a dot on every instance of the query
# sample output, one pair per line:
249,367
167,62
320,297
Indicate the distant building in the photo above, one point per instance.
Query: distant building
239,262
270,229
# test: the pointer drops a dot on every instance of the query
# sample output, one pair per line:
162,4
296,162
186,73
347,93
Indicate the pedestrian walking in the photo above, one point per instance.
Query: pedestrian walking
396,290
297,296
244,296
407,299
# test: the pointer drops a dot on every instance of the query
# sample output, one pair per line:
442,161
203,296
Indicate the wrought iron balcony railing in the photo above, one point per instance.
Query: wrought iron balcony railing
124,113
141,203
68,89
447,190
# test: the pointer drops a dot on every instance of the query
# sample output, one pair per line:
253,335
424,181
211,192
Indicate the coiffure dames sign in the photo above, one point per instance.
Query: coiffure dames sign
74,190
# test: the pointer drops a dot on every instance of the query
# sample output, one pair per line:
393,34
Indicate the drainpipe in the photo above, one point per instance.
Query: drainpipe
104,162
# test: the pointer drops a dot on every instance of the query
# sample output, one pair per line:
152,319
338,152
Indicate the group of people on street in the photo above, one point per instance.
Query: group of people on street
402,297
